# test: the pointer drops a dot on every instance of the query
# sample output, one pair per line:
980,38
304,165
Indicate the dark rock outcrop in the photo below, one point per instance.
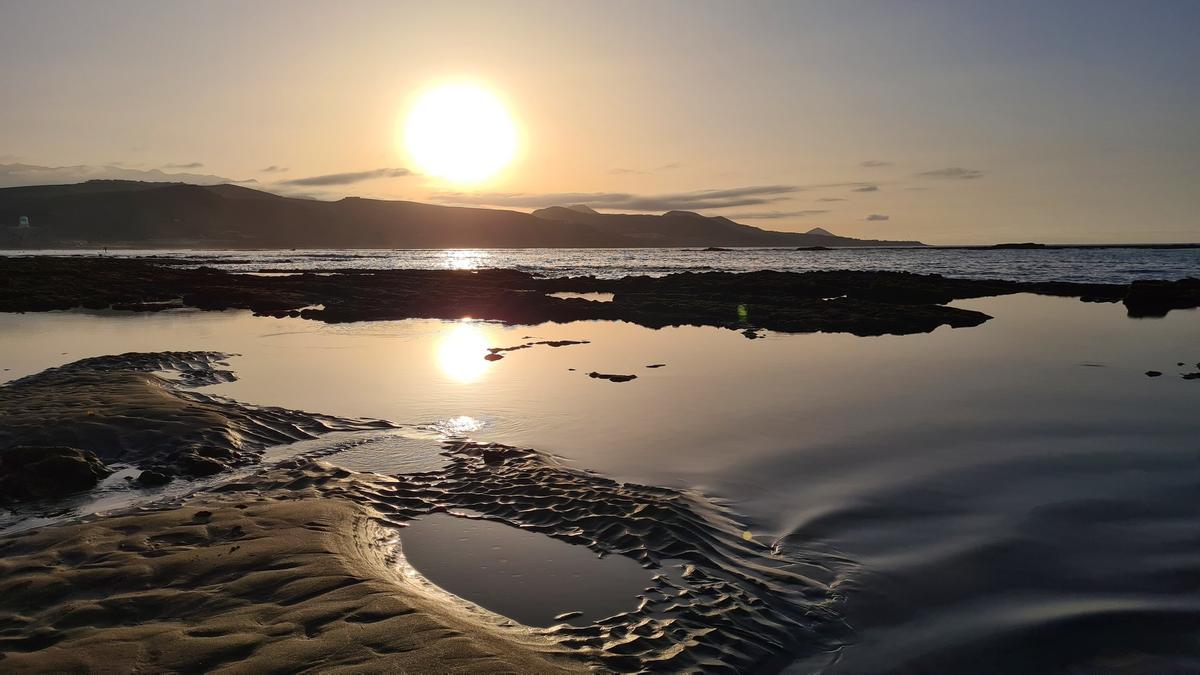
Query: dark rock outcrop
152,478
1156,298
861,303
30,472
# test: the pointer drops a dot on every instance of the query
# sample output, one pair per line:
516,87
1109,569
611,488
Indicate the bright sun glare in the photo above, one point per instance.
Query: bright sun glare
461,133
460,352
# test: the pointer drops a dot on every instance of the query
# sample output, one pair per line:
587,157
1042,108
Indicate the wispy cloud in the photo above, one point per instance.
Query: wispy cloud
874,163
776,215
954,173
644,172
348,178
15,175
189,165
878,216
831,199
274,169
866,188
754,195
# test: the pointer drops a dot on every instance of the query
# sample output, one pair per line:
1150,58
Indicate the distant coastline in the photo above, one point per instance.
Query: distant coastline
178,215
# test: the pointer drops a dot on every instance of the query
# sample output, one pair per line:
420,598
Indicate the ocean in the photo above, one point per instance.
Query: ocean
1090,265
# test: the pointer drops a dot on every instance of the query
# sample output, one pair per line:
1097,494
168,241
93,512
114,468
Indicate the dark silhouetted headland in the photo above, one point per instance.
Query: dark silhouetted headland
138,214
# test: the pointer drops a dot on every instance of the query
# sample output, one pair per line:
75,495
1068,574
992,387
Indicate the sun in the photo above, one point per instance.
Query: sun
461,133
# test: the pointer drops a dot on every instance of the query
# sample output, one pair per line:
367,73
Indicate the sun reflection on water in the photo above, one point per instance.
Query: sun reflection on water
458,426
460,352
465,258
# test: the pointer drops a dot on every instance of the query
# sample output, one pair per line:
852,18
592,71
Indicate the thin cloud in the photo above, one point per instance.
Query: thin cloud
878,216
875,163
953,173
775,215
866,188
274,169
348,178
832,199
754,195
189,165
640,172
16,175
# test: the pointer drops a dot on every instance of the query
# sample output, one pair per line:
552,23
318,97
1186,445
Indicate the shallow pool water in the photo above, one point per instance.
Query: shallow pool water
523,575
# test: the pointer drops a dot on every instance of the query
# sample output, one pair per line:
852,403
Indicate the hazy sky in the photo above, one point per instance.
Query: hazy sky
950,122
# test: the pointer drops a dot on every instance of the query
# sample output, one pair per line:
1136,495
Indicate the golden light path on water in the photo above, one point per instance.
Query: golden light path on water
465,258
460,352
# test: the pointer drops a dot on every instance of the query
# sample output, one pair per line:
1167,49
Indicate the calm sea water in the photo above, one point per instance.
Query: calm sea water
1106,265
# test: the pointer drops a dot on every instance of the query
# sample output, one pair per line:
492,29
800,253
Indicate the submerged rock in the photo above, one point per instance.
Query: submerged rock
562,343
611,377
497,353
152,478
1153,373
29,472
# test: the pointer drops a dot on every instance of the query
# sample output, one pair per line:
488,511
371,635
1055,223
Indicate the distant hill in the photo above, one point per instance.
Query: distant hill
685,228
143,214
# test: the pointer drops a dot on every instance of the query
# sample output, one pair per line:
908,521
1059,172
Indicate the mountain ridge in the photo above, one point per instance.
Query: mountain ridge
152,214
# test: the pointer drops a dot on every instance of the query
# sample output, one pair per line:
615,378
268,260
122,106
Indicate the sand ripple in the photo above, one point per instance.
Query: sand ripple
737,605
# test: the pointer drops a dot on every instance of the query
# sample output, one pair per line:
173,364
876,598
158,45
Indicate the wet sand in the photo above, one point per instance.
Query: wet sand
245,582
140,409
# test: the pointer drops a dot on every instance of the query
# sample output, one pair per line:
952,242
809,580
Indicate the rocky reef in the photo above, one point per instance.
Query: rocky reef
861,303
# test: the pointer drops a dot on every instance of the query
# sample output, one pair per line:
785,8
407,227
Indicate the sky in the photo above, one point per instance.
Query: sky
949,122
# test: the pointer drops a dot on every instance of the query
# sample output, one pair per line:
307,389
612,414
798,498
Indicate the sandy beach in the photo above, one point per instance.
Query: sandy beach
251,581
